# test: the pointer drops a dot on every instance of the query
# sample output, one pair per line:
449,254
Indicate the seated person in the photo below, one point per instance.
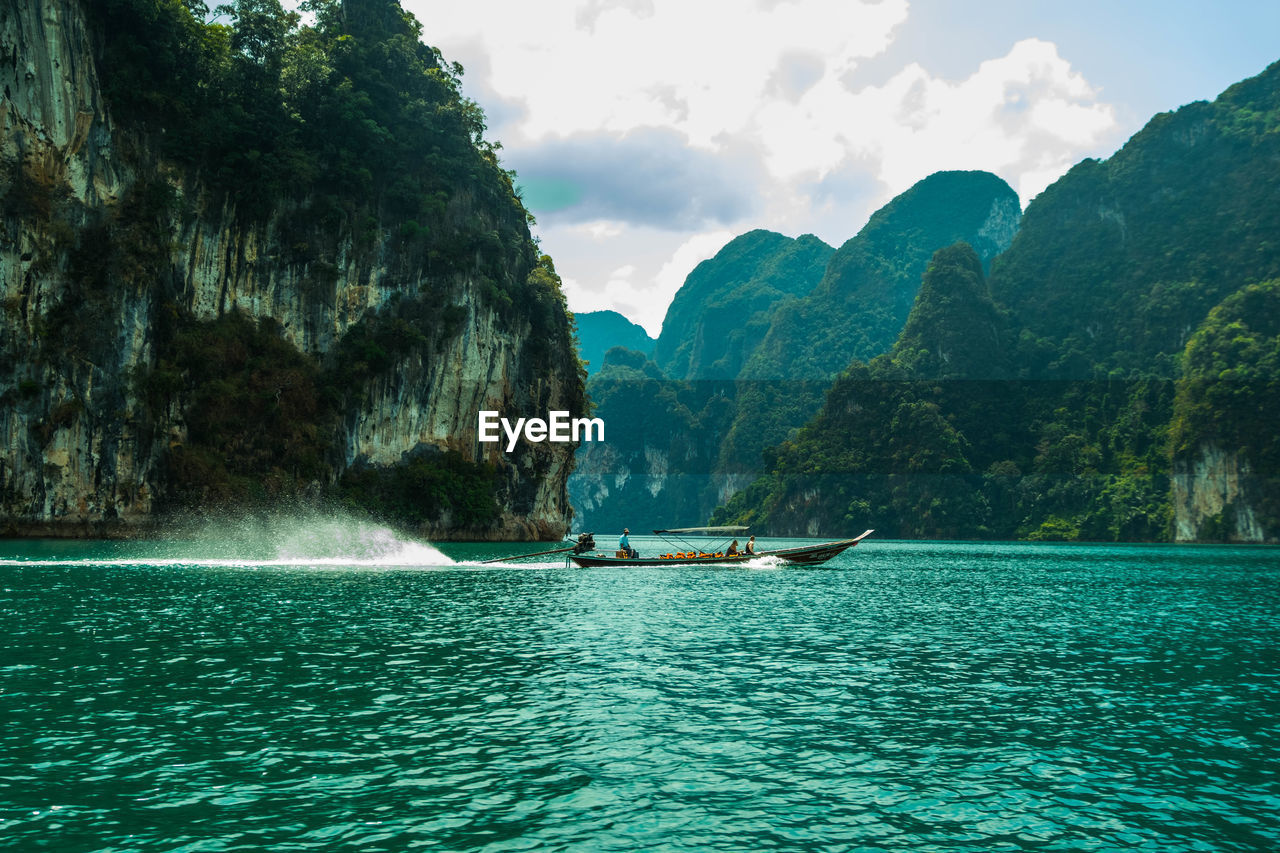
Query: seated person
624,544
751,546
733,549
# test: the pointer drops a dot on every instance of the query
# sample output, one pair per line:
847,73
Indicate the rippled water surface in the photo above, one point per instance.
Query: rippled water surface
907,697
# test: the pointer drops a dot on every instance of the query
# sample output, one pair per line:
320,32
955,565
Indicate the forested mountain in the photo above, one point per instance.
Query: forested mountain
248,262
890,442
1043,408
600,331
870,283
723,310
1117,262
753,294
859,307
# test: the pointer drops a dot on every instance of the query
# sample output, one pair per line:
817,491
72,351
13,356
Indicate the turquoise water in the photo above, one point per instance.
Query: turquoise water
339,690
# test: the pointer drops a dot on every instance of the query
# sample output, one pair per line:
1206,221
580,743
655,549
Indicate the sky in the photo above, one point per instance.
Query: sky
646,134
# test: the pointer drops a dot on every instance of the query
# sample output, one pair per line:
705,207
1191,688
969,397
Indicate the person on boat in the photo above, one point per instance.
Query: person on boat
751,545
733,549
624,544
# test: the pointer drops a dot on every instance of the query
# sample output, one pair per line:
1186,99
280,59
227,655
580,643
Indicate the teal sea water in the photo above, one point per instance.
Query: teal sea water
335,688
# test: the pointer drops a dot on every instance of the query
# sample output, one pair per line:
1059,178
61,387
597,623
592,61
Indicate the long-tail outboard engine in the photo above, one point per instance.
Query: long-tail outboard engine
586,542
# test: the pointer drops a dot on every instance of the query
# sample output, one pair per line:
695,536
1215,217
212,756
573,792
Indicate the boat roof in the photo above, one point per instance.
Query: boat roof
704,531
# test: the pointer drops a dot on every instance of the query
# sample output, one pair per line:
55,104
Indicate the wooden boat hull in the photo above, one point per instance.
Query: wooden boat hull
805,555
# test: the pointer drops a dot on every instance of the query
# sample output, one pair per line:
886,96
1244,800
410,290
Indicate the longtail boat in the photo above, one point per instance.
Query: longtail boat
685,554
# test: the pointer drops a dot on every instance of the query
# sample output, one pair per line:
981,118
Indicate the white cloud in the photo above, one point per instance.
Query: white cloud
699,67
645,115
602,230
640,291
1023,116
692,252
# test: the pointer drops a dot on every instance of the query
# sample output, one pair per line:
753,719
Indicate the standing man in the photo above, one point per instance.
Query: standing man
624,544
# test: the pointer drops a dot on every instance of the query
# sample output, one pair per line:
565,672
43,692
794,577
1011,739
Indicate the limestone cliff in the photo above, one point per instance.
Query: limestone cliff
107,244
1213,499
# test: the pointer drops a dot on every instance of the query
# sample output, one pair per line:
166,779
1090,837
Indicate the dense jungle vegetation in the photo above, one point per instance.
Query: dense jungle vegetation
1057,402
350,108
938,438
859,306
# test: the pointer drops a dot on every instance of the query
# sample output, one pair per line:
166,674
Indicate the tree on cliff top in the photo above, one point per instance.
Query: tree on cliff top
354,106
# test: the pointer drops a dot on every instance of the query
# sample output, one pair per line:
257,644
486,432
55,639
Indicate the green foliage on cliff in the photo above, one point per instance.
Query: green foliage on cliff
862,302
1118,262
353,105
954,329
262,421
1229,395
883,445
126,250
663,437
870,283
353,120
424,489
259,428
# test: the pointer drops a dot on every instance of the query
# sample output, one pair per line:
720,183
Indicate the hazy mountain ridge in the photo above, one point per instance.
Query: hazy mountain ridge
601,331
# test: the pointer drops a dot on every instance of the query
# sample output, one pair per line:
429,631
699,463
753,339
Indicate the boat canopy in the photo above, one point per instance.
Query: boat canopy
704,531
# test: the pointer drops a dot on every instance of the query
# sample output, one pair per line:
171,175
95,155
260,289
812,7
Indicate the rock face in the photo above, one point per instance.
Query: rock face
1211,498
84,448
1225,451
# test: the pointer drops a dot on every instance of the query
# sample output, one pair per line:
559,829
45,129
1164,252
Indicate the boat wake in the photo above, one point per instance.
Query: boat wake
769,562
274,542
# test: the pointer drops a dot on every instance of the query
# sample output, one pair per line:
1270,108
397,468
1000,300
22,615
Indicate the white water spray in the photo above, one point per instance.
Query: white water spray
350,542
330,539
